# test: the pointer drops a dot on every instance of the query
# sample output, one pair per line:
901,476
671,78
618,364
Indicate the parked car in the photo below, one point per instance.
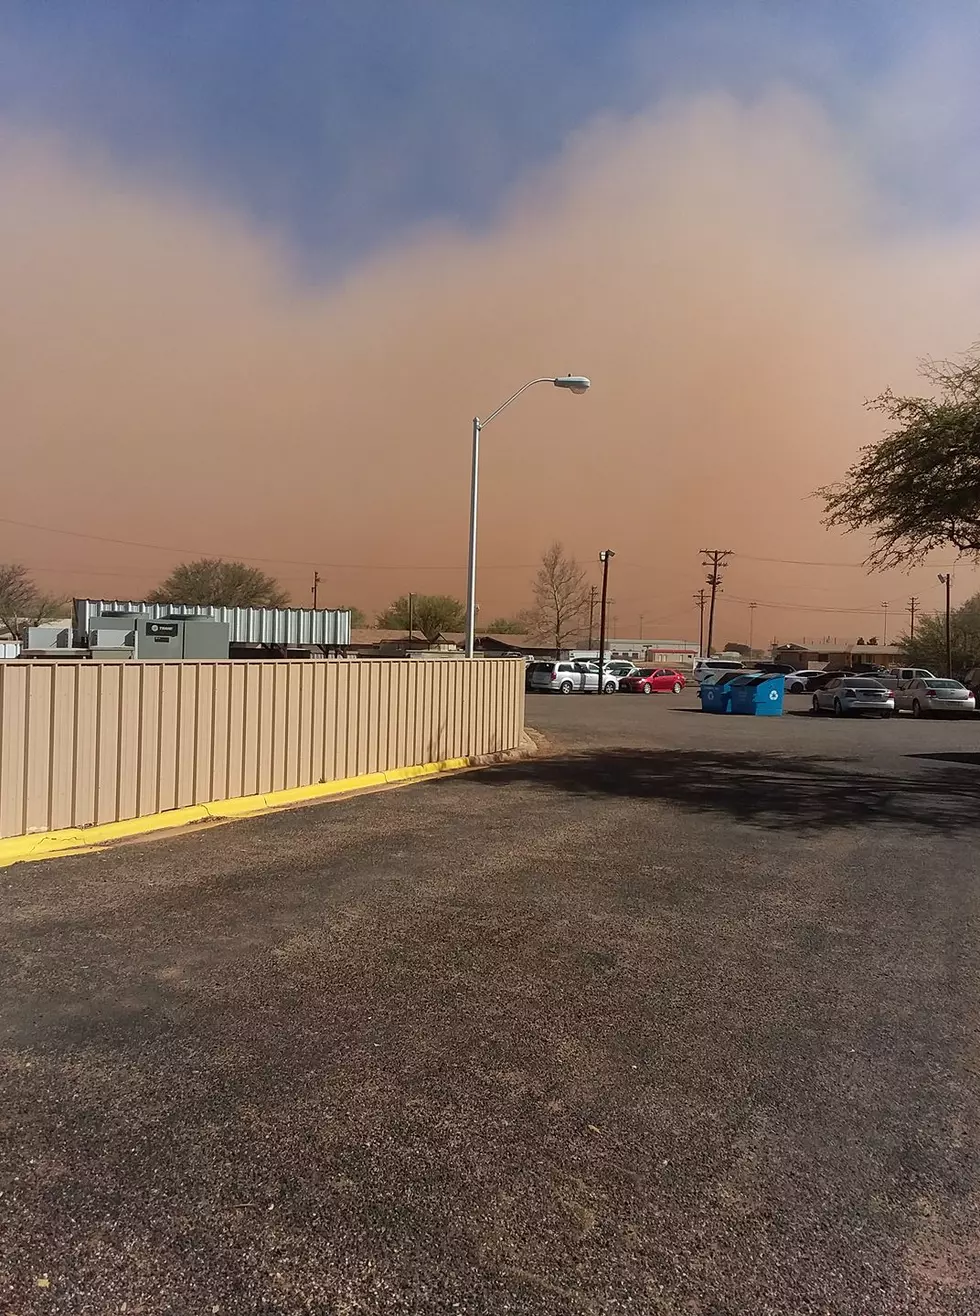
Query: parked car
854,694
818,680
797,683
566,678
925,697
971,680
705,666
773,669
900,677
621,667
650,680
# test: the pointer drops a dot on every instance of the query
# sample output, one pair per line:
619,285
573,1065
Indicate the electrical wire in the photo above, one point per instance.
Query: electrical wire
280,561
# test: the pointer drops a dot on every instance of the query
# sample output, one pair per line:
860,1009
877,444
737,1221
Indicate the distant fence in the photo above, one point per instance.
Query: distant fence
87,742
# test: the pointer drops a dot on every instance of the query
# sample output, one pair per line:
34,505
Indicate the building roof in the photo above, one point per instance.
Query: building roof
369,635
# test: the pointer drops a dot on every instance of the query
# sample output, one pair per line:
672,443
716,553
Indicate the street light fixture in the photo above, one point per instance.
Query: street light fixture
574,384
604,557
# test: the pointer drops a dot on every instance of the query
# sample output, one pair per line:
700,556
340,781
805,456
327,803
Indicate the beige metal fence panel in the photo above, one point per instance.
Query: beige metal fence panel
87,742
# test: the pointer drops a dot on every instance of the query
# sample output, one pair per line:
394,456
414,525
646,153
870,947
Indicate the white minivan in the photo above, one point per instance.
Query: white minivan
705,666
566,678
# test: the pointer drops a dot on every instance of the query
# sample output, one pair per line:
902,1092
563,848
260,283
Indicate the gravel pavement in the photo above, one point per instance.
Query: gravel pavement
679,1017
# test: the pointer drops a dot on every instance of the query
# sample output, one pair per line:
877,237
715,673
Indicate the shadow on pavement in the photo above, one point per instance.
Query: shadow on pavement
760,789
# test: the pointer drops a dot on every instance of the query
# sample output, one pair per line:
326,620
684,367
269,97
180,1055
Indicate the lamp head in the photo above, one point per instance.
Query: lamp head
574,383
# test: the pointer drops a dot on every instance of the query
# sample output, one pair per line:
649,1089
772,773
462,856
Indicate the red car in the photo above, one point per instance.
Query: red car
648,680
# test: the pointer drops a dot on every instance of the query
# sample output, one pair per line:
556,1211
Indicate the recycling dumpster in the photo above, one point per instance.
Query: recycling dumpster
715,696
758,696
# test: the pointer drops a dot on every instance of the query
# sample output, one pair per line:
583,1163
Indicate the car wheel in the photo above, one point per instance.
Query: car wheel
648,689
676,687
565,688
815,707
797,688
838,708
610,687
916,708
886,713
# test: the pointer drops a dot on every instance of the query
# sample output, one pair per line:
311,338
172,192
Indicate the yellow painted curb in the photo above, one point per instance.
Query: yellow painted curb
68,840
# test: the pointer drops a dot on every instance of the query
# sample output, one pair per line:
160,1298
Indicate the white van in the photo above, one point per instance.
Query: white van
704,666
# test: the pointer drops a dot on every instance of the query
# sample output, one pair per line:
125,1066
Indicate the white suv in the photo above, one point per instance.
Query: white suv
705,666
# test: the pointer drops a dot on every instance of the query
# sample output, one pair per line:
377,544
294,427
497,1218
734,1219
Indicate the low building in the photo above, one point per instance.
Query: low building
841,655
668,653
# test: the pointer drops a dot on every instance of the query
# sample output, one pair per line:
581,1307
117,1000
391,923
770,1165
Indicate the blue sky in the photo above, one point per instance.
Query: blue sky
343,124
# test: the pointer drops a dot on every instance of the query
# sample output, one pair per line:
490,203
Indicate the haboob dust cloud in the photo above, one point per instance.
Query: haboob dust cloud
727,274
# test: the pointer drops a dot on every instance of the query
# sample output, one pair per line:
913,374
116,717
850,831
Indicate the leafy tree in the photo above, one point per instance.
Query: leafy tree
743,649
357,617
212,582
21,603
918,487
561,599
432,614
506,626
927,648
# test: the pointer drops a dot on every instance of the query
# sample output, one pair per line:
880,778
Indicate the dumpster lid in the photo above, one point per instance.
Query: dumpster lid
727,678
757,678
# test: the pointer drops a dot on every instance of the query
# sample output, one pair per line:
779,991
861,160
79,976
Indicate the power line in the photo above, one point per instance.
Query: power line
810,607
250,557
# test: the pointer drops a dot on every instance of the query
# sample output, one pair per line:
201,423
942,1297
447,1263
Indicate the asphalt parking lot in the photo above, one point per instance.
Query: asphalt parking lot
680,1016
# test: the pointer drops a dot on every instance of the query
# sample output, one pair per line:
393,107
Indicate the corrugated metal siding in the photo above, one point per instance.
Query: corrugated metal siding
84,743
247,625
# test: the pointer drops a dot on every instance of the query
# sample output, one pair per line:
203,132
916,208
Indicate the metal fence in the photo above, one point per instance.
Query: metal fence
84,743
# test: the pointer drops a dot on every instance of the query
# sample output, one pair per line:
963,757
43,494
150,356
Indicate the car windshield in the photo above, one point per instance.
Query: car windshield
646,671
862,683
943,685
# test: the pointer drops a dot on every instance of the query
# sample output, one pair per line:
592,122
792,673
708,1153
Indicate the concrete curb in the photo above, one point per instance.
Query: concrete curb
78,840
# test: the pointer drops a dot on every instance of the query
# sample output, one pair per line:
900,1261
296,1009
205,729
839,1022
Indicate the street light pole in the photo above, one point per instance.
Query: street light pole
946,578
604,557
574,384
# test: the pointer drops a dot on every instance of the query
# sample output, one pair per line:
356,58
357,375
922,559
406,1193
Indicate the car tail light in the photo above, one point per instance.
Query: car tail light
930,694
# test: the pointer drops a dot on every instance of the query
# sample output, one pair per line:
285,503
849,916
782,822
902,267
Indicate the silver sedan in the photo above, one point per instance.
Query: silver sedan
926,696
854,694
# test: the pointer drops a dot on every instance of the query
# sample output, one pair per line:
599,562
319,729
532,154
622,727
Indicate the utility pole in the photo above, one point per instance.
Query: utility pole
912,609
699,602
593,591
752,608
715,558
884,624
947,579
604,557
316,585
641,626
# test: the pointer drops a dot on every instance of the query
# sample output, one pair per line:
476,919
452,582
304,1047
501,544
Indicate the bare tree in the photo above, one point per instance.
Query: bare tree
561,598
21,603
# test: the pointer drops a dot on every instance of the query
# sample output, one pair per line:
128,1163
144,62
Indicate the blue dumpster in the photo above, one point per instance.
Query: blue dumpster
758,696
715,696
